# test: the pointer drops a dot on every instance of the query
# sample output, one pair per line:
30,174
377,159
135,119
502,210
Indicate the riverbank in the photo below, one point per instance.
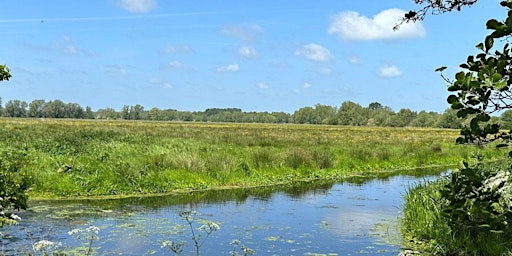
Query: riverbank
79,158
466,213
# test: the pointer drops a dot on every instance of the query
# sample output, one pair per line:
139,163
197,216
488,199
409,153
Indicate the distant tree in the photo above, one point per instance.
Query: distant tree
351,113
107,113
15,108
73,110
125,112
35,108
449,119
506,120
375,106
281,117
305,115
425,119
137,112
88,113
54,109
326,114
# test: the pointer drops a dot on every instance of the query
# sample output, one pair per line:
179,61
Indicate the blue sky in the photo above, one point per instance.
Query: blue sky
255,55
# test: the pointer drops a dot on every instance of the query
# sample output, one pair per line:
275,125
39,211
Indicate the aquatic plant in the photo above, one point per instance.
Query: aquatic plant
237,245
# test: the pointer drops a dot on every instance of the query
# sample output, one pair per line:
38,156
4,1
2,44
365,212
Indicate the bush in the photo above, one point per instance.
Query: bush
467,214
13,185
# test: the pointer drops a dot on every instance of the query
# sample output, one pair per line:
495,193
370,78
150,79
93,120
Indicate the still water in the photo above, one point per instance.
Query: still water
354,217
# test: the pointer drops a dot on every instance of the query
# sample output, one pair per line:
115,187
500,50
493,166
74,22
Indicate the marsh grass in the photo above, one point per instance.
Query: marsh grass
93,158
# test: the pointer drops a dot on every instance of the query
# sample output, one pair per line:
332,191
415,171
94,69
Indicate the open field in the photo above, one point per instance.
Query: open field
76,158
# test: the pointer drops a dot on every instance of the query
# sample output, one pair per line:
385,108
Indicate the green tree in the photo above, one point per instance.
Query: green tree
13,184
351,113
483,86
35,108
15,108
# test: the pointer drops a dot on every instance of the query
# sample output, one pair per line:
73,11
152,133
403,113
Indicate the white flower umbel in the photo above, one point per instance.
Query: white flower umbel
492,183
45,247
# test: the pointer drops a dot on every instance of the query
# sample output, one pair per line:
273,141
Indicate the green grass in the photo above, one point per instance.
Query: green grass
428,228
79,158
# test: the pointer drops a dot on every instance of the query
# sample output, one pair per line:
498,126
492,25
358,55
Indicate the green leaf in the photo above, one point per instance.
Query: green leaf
452,99
480,46
489,42
493,24
460,76
440,69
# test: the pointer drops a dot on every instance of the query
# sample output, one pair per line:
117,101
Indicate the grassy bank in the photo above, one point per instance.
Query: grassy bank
467,213
72,158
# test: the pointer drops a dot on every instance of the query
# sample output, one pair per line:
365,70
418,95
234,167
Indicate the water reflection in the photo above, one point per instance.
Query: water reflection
354,216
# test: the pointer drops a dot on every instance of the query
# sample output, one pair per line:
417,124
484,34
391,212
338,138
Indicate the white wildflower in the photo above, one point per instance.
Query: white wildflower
15,217
493,182
93,229
44,245
73,231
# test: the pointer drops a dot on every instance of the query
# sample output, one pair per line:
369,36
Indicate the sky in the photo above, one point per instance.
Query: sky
256,55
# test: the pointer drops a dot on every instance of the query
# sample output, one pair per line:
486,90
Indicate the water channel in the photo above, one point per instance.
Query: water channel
353,217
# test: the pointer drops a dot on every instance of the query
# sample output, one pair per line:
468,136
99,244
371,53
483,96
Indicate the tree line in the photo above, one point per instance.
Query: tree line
349,113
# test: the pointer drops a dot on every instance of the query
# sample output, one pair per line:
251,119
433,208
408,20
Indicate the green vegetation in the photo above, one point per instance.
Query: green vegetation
96,158
349,113
469,213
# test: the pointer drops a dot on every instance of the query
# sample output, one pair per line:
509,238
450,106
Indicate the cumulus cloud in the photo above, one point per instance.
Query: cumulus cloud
229,68
247,52
314,52
177,66
325,70
246,33
355,60
160,82
67,47
137,6
171,49
115,70
353,26
389,71
262,85
306,85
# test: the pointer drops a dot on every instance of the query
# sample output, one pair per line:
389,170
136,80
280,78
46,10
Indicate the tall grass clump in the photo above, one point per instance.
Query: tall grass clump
467,214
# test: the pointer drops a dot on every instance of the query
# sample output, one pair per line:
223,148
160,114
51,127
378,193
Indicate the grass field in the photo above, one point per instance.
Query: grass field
77,158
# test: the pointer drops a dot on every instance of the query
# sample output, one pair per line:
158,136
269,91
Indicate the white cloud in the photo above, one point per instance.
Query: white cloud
67,47
229,68
390,71
171,49
355,60
115,69
162,83
177,65
138,6
353,26
325,70
247,52
246,33
306,85
314,52
262,85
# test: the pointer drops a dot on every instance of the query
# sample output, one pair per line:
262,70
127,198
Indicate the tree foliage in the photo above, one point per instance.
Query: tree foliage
483,87
434,7
5,73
